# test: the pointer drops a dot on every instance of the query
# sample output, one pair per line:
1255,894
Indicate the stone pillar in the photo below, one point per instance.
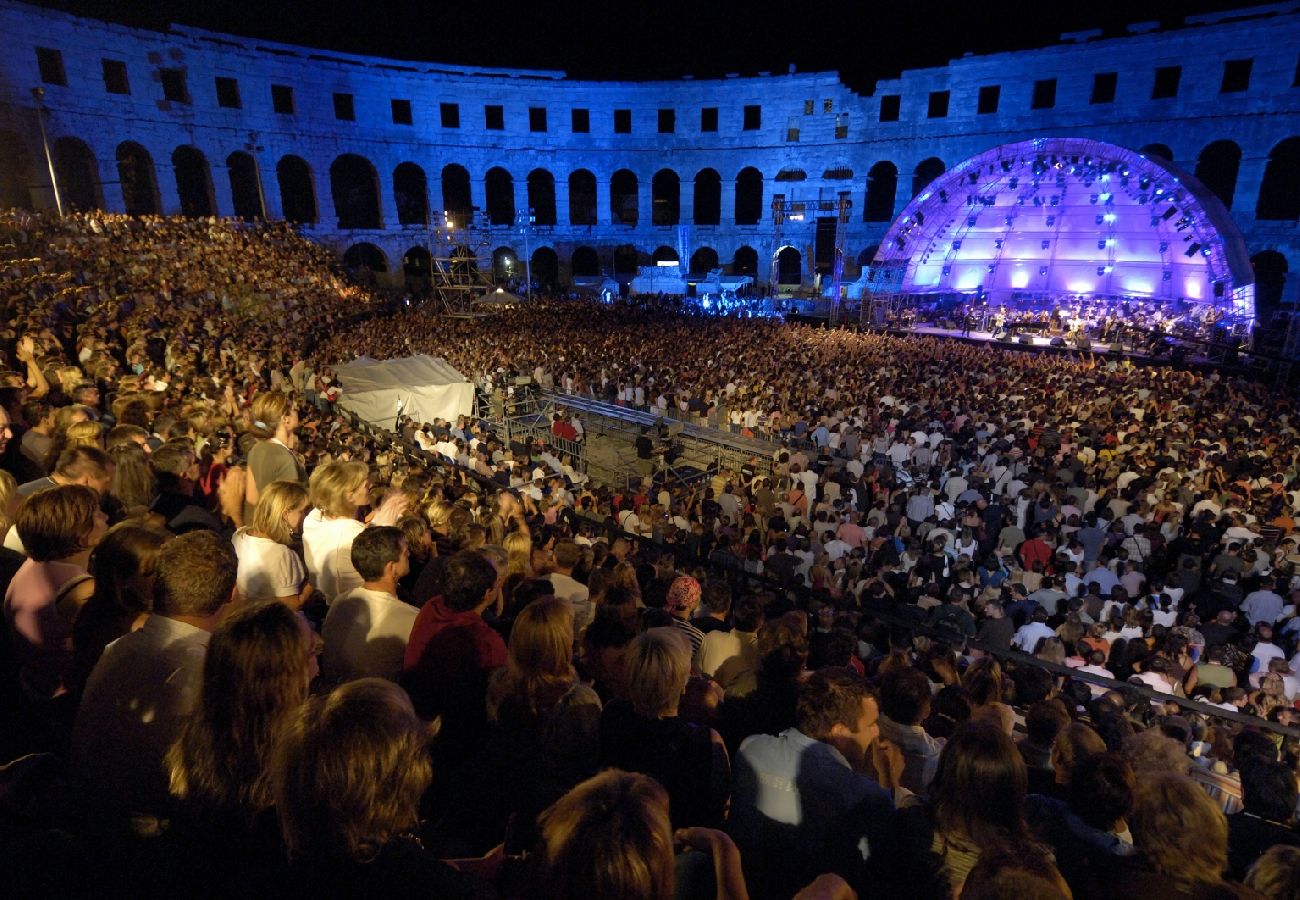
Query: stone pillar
686,202
110,186
1250,178
727,214
603,217
223,201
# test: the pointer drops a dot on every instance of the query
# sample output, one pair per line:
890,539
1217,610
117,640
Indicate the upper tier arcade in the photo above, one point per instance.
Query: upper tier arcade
375,151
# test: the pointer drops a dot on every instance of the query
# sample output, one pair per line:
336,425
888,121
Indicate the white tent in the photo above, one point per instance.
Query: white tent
425,387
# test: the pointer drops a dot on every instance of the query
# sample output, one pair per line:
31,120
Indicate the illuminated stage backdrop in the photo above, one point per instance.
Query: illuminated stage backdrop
1056,220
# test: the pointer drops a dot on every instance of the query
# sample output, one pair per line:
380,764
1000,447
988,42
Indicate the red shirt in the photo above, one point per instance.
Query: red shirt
448,658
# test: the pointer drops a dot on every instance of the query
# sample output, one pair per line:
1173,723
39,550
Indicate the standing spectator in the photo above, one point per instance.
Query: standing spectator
275,424
269,567
145,686
367,629
337,491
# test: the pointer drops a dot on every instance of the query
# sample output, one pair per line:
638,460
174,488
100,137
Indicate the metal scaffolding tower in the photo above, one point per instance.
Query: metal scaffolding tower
460,264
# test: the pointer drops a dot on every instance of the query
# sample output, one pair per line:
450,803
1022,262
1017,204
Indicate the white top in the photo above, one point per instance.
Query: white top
267,570
578,595
365,634
327,546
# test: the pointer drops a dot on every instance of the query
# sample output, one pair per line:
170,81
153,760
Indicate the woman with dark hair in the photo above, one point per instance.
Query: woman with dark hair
259,665
60,526
123,565
983,682
975,803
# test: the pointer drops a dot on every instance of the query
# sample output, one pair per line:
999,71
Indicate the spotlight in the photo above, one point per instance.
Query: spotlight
1191,249
920,217
1046,244
1164,246
1109,218
1169,213
956,245
1107,199
1042,270
947,270
1101,245
1168,276
1051,220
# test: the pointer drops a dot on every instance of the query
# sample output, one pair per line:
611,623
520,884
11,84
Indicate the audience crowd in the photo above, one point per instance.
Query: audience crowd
986,624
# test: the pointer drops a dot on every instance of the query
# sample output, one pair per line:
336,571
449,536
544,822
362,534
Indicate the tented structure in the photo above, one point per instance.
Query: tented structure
422,387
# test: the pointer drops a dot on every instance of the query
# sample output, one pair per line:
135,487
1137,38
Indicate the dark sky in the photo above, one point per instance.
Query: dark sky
650,39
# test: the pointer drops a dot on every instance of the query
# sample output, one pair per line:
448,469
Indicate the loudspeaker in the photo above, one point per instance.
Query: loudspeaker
948,324
1026,339
1057,342
1083,343
1116,349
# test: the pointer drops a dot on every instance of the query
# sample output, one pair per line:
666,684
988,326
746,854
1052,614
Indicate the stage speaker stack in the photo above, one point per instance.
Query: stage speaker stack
1083,342
948,324
1058,341
1026,339
1116,349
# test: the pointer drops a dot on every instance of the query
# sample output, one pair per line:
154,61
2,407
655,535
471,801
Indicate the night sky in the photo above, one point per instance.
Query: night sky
658,38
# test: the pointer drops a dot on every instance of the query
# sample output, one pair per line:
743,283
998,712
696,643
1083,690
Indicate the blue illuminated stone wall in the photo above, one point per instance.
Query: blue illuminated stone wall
1228,83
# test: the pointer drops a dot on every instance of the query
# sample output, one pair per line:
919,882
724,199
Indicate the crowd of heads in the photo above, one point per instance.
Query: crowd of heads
262,646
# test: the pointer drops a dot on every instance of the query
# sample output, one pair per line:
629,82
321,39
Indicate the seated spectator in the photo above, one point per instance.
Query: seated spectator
1044,721
801,806
1268,796
1182,843
259,665
1276,876
567,555
1023,876
905,697
367,629
983,682
452,651
1088,831
84,465
975,804
145,686
61,527
647,735
177,469
770,709
346,781
611,837
545,723
337,491
730,657
123,565
269,567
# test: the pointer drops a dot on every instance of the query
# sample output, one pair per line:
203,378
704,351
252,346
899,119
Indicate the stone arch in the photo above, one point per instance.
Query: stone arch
882,192
1279,192
354,184
749,196
15,172
665,198
708,197
297,190
457,198
789,266
745,261
582,197
365,255
193,182
1270,276
926,171
78,174
1159,151
1217,168
505,264
245,192
499,186
411,194
664,253
138,180
417,267
623,201
541,196
585,261
626,260
546,267
704,260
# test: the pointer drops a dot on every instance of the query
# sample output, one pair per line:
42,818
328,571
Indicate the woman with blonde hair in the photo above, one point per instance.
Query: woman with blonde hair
269,568
347,776
647,735
337,491
275,424
85,434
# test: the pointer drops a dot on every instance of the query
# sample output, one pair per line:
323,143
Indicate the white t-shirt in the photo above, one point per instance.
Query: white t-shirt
267,570
327,546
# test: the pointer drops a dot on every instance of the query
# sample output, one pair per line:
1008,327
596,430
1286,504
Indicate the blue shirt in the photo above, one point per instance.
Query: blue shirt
798,810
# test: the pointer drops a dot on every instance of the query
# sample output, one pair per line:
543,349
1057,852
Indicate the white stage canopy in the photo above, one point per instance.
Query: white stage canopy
426,387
